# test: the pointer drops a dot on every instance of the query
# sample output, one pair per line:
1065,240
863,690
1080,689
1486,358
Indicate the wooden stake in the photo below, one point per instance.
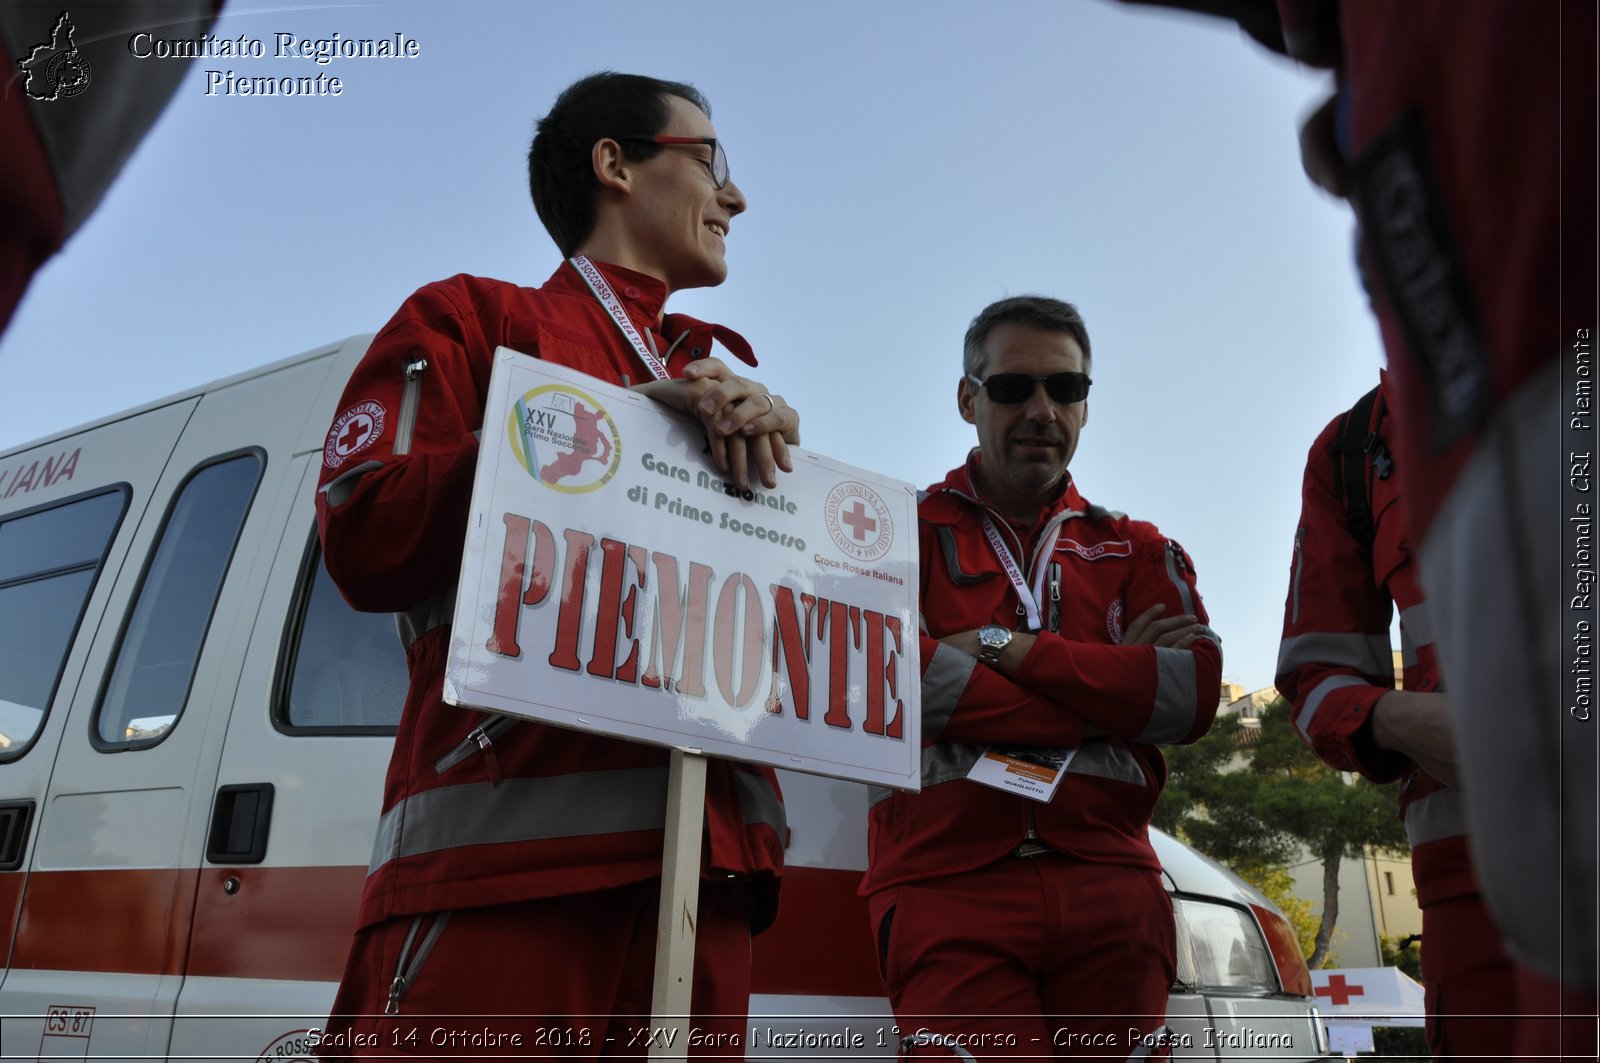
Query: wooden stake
680,899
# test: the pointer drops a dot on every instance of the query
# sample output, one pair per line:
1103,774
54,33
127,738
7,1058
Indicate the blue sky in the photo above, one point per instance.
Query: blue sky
905,163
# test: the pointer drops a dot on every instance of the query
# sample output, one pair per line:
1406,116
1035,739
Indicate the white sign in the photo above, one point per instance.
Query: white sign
1369,996
614,582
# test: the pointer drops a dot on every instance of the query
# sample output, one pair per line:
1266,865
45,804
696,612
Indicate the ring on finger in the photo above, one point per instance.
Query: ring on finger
770,404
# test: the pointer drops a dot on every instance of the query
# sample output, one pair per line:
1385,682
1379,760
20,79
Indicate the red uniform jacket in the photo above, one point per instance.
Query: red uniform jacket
1335,661
1105,570
477,809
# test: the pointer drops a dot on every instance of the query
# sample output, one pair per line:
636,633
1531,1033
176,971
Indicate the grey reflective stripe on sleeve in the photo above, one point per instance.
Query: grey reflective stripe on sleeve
1176,697
878,794
945,762
1106,761
1408,649
1320,691
1442,814
942,685
1184,597
425,616
341,487
1368,654
758,801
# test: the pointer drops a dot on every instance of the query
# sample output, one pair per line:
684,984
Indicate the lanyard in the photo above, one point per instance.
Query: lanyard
1029,597
608,299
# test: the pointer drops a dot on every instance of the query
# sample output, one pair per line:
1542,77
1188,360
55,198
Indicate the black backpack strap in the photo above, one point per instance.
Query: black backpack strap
1355,441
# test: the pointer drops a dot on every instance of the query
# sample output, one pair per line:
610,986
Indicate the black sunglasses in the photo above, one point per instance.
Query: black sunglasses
1011,389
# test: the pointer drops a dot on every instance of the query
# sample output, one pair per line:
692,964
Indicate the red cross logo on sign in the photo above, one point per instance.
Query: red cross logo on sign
861,523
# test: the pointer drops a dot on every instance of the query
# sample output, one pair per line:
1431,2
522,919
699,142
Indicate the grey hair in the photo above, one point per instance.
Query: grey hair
1033,311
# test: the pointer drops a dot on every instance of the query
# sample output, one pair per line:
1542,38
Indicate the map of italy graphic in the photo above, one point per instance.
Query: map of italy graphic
588,444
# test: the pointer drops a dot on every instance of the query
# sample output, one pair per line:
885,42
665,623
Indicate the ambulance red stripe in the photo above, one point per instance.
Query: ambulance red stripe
295,923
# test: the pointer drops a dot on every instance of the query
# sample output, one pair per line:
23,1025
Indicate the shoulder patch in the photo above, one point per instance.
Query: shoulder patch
353,431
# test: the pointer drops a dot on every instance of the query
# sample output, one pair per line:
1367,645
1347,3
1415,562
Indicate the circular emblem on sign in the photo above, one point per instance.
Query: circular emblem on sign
858,521
356,429
564,438
296,1046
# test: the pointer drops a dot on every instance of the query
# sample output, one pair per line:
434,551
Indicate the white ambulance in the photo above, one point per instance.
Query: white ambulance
193,733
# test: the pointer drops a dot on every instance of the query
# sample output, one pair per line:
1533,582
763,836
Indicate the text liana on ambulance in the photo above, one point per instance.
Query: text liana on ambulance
614,581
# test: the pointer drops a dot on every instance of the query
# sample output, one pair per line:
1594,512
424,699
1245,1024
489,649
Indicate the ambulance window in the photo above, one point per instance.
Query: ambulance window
49,559
160,647
347,670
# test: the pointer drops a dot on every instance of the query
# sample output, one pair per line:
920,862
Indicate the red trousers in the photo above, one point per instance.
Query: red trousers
1041,956
565,976
1466,973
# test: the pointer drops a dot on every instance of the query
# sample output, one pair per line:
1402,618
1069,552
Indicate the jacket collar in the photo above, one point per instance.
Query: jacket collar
957,496
645,296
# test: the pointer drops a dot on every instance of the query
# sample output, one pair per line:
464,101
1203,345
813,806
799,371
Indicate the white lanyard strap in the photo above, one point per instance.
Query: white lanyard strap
608,299
1029,597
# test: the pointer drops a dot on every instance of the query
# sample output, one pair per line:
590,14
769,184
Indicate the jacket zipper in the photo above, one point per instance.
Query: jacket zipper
408,405
1055,595
406,972
479,740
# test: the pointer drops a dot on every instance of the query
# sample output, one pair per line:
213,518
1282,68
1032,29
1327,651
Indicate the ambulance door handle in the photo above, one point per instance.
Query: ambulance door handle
240,819
16,817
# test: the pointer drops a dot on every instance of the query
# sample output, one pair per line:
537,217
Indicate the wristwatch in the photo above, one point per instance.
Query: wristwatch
992,640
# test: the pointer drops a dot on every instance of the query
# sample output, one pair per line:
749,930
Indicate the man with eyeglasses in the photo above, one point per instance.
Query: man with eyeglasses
510,905
1018,907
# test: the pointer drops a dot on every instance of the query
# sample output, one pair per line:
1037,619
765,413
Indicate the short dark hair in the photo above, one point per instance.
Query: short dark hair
560,175
1034,311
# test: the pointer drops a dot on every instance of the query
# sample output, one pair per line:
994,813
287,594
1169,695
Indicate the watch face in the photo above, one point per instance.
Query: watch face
993,637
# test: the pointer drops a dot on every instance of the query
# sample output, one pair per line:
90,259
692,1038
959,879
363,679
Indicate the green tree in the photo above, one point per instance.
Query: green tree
1252,806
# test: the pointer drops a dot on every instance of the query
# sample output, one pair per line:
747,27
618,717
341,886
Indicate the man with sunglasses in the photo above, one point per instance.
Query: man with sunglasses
516,872
1019,910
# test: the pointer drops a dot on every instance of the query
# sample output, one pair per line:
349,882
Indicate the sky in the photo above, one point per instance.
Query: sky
905,165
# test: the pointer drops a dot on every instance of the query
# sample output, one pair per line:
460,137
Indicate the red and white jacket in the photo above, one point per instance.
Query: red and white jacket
1105,570
479,809
1335,660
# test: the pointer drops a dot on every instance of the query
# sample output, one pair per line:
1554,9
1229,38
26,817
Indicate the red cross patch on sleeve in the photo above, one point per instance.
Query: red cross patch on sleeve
353,431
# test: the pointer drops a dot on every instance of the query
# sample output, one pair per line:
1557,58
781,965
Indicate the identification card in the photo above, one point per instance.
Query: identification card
1025,770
